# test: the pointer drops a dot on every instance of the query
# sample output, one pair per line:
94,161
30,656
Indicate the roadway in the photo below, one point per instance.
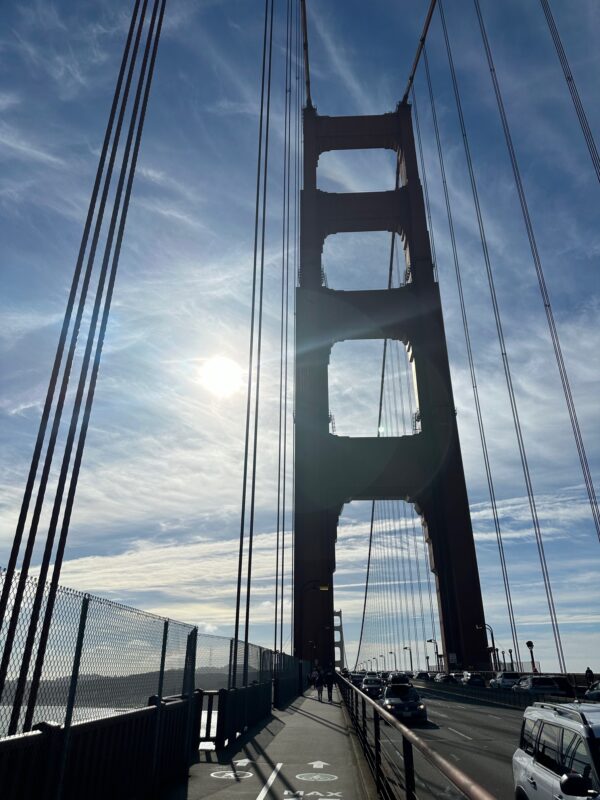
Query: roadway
479,739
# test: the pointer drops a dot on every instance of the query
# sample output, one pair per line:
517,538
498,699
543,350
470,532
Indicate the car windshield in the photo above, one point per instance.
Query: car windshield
508,675
401,693
372,682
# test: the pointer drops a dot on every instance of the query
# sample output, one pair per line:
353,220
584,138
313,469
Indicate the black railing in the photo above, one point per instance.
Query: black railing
402,762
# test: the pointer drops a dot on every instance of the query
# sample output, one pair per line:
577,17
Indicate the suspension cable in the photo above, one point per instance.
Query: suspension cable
562,57
250,355
258,352
142,95
16,546
34,524
585,468
510,388
471,360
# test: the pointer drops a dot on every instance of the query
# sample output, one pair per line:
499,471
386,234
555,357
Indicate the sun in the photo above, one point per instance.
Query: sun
221,376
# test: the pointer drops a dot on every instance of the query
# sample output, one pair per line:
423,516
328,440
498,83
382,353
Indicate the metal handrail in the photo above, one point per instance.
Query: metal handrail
470,788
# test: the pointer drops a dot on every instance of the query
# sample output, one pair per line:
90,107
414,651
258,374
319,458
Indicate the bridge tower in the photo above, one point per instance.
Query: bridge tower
424,469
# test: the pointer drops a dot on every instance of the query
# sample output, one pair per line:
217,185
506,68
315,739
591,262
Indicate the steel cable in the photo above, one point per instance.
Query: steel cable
585,468
471,361
508,378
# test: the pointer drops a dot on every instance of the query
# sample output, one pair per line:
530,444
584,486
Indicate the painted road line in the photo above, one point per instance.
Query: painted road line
264,791
464,735
495,717
439,714
455,757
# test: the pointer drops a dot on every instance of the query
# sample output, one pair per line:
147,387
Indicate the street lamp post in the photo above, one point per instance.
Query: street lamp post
383,657
410,655
376,663
530,648
512,665
391,653
493,650
437,653
503,659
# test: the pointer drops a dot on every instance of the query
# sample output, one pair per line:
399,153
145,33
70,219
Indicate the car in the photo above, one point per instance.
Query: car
565,685
538,684
472,679
384,676
398,677
404,703
372,687
422,676
504,680
593,693
443,677
356,678
558,753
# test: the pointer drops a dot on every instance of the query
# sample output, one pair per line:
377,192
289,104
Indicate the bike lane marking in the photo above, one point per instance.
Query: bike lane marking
270,781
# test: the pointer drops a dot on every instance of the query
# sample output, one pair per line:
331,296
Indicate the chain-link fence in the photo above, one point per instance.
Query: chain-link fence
127,656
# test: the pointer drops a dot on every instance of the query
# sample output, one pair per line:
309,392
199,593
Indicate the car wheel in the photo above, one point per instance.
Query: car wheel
520,795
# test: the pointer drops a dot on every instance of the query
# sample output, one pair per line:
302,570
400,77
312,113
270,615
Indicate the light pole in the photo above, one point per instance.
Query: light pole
391,653
503,659
370,660
512,665
376,663
410,655
491,630
437,653
383,657
530,648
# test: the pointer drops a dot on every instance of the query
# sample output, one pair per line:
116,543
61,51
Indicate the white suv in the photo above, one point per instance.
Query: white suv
559,752
505,680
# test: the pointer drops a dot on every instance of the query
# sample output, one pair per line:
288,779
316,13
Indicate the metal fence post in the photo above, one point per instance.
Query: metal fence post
230,671
409,769
189,681
377,735
364,724
72,693
159,696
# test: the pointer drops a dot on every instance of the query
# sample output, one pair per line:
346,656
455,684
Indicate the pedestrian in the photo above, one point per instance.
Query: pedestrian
329,681
319,685
313,677
589,676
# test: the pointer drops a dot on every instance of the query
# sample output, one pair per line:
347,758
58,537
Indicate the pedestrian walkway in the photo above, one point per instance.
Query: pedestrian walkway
305,750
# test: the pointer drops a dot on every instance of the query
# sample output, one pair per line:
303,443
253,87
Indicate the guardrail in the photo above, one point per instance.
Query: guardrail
397,773
498,697
131,755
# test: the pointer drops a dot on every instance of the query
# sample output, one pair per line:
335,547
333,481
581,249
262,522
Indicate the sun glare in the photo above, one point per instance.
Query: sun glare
221,376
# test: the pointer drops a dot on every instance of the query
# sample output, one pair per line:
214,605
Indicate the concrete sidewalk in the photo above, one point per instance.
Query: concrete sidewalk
304,751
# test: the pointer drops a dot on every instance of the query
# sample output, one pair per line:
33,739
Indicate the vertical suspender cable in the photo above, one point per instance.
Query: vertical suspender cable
587,476
134,137
16,605
250,358
14,554
470,358
562,57
258,350
509,383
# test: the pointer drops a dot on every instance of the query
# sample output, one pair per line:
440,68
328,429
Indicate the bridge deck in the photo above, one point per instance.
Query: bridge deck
304,751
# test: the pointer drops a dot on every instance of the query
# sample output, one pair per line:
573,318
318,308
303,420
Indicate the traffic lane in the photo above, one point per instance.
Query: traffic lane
478,740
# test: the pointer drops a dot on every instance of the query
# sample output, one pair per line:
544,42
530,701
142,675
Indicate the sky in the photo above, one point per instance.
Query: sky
156,519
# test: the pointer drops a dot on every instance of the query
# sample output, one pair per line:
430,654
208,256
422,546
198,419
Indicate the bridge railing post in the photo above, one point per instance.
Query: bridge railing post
409,769
377,738
72,694
159,696
189,681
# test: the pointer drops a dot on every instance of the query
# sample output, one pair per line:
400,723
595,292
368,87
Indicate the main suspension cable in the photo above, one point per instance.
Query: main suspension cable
579,109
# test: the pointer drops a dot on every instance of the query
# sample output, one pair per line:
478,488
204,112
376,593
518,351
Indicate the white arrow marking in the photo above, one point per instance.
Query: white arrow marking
243,762
318,764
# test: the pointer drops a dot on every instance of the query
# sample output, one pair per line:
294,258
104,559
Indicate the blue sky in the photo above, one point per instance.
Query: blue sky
157,513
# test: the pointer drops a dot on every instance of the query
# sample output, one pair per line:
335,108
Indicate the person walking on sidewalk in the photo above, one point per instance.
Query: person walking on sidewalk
329,681
319,685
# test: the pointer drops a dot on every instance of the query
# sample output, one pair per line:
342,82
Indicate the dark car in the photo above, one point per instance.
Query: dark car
404,703
398,677
565,685
593,693
422,676
356,678
372,687
538,684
